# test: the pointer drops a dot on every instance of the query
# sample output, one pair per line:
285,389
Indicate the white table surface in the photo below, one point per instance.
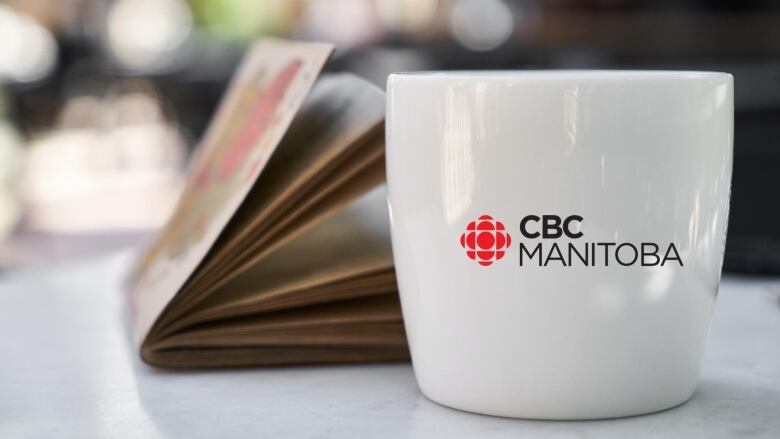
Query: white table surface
67,369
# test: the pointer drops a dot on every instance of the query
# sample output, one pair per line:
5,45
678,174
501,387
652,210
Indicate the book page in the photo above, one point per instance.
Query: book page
374,320
323,139
331,154
346,255
260,103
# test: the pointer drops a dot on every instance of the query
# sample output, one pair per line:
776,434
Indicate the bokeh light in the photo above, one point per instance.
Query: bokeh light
28,51
145,34
481,25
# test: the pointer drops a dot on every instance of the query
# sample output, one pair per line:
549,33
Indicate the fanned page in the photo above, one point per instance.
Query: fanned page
327,295
300,271
261,101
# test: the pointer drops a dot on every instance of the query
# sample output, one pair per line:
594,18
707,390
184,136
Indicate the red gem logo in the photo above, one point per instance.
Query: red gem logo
485,240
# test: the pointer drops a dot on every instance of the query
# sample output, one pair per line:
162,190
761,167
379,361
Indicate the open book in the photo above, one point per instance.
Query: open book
279,249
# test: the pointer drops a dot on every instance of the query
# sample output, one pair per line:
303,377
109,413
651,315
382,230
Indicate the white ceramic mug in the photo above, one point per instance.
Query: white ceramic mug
558,235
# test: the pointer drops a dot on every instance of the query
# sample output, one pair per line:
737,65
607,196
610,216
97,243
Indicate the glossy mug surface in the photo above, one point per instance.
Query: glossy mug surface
558,236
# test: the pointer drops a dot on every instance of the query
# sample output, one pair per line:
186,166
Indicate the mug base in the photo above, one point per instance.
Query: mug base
585,414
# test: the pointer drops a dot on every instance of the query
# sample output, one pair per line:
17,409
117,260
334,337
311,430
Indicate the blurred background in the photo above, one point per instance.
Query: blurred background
102,101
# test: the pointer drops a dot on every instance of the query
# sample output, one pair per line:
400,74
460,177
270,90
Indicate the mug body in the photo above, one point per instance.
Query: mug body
558,235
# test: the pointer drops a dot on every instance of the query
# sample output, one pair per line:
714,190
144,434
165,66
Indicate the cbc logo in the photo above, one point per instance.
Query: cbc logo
556,240
485,240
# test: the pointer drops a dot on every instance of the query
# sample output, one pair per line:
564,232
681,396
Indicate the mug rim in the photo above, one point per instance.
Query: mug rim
563,74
